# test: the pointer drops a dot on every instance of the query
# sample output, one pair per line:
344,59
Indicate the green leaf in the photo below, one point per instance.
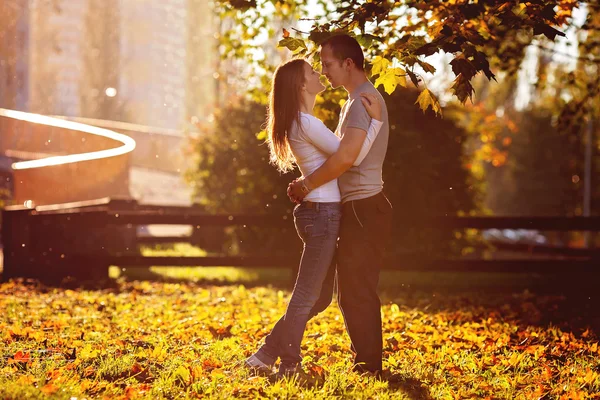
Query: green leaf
317,37
367,40
427,99
292,44
315,56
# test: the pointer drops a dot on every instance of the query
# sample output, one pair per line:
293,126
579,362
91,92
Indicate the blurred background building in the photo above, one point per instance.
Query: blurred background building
142,61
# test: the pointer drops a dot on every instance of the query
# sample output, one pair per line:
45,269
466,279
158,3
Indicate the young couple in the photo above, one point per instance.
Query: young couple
339,195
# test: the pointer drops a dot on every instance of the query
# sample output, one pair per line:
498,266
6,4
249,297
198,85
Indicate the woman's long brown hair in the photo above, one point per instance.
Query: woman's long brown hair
284,109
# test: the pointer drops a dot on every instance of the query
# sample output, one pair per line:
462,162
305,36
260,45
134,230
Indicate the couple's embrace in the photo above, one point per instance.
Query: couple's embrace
339,196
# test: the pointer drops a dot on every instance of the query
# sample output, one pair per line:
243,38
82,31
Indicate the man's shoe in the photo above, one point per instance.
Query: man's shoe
259,366
299,375
362,371
289,371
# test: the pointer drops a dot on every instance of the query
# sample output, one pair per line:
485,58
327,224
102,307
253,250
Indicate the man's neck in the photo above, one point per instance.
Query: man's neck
356,80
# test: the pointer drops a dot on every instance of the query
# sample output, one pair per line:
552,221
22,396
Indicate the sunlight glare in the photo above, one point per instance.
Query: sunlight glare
128,143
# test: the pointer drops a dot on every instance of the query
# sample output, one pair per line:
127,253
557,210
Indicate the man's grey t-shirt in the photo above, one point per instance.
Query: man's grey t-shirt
364,180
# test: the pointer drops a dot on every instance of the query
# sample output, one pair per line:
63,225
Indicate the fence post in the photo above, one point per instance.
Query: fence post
122,238
16,240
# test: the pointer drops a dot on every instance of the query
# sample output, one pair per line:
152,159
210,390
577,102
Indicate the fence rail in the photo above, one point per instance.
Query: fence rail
83,239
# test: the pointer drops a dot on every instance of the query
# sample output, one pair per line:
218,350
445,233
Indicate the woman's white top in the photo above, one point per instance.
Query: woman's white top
314,143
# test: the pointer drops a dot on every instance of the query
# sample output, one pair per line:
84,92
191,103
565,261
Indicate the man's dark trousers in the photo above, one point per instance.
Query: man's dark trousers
364,233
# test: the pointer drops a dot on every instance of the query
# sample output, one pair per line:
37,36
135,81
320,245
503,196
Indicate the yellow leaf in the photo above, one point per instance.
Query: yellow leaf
427,99
183,373
217,373
392,361
379,64
391,78
262,135
88,352
159,352
590,377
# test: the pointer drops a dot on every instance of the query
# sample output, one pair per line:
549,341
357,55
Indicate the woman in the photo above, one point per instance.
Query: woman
296,137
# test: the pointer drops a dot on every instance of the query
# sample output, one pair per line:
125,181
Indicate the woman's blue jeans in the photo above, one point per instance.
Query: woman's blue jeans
318,225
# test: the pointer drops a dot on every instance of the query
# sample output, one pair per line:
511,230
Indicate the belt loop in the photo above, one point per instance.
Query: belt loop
317,208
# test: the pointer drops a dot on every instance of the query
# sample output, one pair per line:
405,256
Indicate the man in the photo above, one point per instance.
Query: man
366,212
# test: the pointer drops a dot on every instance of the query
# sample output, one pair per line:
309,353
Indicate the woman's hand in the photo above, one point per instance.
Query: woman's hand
372,105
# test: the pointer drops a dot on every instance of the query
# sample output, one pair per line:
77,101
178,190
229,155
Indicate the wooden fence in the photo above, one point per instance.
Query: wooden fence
83,239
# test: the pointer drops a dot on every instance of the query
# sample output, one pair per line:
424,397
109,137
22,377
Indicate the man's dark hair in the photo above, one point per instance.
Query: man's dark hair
343,47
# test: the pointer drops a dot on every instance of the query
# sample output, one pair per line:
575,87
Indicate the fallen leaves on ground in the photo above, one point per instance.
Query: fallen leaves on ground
170,340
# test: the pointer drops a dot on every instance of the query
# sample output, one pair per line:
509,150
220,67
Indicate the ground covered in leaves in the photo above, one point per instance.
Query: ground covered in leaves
146,339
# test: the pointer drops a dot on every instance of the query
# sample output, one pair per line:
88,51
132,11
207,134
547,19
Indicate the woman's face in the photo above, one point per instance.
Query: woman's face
312,83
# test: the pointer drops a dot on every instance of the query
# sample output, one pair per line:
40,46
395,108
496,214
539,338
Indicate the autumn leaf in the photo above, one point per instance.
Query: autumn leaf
379,64
183,374
49,388
547,30
242,4
462,66
221,332
21,357
427,67
390,78
462,88
262,135
427,99
161,343
286,33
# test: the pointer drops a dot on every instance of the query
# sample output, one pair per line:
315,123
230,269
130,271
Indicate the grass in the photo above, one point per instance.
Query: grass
184,336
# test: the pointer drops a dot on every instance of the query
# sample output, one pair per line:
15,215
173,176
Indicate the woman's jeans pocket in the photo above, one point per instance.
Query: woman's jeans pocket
319,220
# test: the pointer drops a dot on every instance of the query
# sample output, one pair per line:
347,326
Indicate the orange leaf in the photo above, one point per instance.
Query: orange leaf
49,388
20,357
130,393
286,33
547,371
136,368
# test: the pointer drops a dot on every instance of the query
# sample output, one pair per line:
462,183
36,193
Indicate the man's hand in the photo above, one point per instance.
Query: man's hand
294,191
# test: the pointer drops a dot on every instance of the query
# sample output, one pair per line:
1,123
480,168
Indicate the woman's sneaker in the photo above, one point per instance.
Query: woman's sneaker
259,366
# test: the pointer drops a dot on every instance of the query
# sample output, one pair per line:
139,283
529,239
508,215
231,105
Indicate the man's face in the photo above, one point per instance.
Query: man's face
332,67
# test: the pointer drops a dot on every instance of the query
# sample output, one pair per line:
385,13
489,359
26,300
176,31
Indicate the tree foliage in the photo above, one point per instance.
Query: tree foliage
533,159
400,35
